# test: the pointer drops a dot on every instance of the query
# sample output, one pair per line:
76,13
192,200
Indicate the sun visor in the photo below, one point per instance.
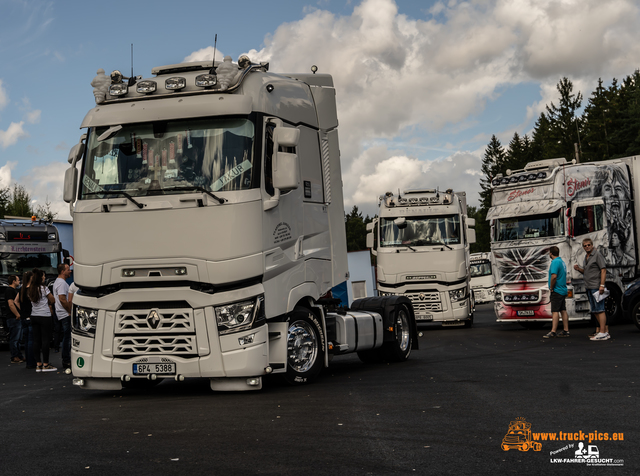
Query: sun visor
179,107
538,207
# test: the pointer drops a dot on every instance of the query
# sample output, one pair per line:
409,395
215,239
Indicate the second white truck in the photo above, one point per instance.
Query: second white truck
421,242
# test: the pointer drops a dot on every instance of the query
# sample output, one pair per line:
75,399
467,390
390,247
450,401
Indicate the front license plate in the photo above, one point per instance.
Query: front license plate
424,317
525,313
158,369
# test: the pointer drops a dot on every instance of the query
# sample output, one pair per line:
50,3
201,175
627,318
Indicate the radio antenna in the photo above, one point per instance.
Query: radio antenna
132,78
213,63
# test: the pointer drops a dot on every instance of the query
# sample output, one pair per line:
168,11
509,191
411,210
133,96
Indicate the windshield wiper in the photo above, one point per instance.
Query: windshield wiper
407,246
116,192
195,188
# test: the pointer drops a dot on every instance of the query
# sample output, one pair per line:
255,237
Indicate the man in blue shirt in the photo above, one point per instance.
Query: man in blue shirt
558,288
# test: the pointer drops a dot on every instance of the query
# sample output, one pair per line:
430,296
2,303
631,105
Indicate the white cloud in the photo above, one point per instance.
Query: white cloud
378,171
4,99
204,54
45,183
12,134
33,117
5,174
396,76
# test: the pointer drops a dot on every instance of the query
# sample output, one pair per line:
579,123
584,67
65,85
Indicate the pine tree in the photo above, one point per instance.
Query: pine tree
492,164
564,125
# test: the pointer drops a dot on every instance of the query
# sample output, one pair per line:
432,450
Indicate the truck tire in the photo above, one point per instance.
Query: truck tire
400,349
612,306
305,347
635,314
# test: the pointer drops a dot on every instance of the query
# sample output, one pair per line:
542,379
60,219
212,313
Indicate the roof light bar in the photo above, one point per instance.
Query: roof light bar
146,87
175,84
206,80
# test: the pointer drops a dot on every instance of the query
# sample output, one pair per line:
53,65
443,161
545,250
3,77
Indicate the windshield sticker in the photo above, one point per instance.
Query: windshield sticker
91,185
231,174
145,152
171,174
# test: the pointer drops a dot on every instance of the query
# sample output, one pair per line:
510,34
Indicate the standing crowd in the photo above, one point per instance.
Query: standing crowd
34,314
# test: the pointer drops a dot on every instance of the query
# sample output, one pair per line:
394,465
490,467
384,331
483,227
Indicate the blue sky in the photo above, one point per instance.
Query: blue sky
421,85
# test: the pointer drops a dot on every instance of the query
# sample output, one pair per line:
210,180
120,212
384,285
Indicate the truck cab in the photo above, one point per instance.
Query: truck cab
208,222
421,242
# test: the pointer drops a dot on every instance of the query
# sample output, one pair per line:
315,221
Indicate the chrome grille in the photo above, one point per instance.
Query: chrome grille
130,345
170,321
420,308
427,296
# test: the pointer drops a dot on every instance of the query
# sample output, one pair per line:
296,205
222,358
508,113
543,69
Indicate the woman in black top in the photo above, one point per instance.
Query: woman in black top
23,304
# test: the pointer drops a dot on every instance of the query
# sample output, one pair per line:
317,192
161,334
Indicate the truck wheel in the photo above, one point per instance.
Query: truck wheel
469,322
305,347
400,348
612,306
635,314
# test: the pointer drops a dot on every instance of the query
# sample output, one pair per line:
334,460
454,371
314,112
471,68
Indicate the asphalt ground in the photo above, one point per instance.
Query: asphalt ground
444,411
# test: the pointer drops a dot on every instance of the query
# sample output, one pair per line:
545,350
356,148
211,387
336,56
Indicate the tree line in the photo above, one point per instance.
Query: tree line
16,201
608,128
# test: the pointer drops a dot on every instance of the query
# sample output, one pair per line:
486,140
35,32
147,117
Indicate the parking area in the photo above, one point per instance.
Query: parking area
448,410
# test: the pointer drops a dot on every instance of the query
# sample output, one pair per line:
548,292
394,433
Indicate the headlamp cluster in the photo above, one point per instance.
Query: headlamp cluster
240,315
518,178
524,297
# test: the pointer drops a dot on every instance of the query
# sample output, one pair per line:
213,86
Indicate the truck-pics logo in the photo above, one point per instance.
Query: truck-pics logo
574,185
519,437
519,193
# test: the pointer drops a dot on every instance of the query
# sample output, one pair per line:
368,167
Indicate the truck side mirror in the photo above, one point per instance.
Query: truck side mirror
471,236
77,151
471,222
286,166
370,241
70,185
370,226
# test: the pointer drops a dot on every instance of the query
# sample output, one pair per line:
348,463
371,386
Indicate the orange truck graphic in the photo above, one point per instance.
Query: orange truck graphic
519,437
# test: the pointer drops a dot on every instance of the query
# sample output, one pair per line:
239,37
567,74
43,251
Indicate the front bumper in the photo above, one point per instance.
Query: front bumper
186,335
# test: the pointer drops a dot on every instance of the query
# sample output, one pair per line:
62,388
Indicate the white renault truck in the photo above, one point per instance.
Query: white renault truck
553,202
421,240
482,284
208,226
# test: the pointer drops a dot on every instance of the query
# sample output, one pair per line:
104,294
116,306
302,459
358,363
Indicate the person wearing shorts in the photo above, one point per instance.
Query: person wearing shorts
595,274
558,288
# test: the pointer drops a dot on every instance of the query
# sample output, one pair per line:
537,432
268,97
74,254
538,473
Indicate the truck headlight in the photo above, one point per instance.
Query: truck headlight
239,315
85,319
458,294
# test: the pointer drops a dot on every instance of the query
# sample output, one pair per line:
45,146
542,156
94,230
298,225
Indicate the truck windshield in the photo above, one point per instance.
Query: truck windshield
480,269
212,154
535,226
421,231
18,263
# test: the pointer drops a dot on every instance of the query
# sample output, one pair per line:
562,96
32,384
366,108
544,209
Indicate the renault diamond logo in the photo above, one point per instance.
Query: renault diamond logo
153,319
422,296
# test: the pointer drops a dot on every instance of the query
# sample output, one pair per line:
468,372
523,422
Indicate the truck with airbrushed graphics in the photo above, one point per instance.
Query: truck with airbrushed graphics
208,227
421,241
557,203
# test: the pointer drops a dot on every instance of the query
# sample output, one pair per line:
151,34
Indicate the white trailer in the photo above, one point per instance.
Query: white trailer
422,243
553,202
482,284
208,224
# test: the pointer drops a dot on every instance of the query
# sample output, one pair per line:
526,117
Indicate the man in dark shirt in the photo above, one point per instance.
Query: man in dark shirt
14,325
